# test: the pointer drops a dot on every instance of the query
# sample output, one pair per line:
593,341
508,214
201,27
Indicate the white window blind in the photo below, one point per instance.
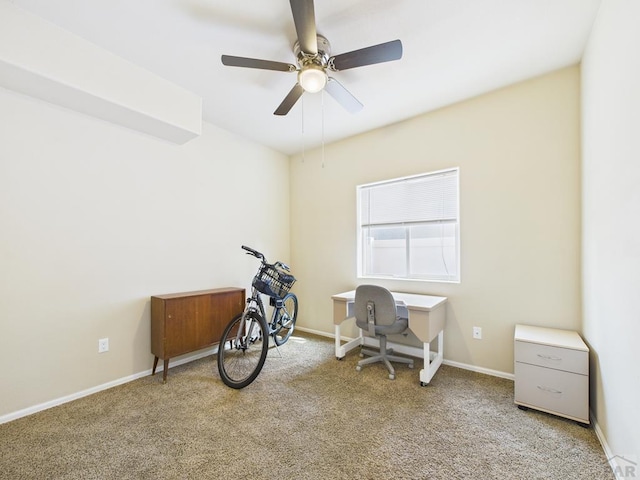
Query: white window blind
409,228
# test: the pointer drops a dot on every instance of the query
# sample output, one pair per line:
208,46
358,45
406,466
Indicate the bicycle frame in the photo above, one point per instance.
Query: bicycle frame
255,304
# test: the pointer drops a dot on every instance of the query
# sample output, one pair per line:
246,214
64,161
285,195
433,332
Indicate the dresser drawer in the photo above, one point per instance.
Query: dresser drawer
568,360
553,391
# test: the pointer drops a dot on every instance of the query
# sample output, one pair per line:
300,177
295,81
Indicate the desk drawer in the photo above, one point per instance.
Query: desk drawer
554,391
568,360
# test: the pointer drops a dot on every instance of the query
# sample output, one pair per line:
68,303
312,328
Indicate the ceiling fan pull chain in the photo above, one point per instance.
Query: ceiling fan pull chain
302,126
322,93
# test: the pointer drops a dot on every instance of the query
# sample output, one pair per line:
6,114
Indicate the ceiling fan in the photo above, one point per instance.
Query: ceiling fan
313,53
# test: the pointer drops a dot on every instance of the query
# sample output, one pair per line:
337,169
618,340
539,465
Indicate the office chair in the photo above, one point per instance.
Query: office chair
375,312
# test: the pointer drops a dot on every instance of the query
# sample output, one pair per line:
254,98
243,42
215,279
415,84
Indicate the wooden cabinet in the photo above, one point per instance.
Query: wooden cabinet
552,372
186,322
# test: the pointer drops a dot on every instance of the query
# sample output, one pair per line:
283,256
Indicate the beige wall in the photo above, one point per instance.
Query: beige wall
94,220
518,150
611,231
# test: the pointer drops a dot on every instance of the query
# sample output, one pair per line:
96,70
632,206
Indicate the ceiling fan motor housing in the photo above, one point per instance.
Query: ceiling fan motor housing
321,59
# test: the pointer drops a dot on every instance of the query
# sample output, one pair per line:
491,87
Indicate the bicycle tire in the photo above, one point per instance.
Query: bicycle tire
285,319
240,361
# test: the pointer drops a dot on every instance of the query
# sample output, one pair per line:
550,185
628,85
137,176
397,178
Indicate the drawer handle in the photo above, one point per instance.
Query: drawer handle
550,357
549,390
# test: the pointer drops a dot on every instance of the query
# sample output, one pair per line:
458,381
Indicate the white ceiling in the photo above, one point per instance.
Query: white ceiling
453,50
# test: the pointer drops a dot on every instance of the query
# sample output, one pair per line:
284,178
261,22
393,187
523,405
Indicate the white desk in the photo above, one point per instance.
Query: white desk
426,316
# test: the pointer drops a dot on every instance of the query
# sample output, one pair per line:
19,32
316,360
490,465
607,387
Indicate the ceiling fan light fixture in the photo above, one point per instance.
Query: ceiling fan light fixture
312,78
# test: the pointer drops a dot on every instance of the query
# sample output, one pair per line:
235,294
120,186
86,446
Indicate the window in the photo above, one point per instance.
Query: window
409,228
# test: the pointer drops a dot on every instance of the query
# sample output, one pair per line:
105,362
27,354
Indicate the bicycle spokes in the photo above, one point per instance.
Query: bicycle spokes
242,350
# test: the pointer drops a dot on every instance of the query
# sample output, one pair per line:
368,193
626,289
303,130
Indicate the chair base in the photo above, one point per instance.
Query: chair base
384,355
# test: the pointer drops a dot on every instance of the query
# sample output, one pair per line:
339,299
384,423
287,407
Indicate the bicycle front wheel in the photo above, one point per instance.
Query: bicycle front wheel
243,349
285,319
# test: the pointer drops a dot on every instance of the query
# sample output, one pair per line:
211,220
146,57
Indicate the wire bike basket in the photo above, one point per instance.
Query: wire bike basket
273,282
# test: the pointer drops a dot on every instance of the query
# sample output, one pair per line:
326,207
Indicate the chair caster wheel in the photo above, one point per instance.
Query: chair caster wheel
422,384
411,365
361,355
392,376
358,368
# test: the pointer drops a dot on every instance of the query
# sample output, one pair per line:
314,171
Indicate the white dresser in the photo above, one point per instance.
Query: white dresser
552,372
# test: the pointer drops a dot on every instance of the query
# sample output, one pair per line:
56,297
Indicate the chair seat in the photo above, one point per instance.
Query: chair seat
399,326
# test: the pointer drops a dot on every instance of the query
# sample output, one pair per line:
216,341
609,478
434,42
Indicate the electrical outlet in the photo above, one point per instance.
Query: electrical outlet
477,333
103,345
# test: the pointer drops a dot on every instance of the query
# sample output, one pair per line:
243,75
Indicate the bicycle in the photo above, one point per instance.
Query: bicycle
245,340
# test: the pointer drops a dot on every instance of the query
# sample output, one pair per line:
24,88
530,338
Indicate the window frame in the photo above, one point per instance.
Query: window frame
453,277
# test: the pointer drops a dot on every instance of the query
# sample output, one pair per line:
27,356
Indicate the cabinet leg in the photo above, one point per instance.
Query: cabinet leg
155,365
165,370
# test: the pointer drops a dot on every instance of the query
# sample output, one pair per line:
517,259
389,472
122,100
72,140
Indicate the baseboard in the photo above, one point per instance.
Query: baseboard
475,368
603,442
105,386
419,353
619,464
317,332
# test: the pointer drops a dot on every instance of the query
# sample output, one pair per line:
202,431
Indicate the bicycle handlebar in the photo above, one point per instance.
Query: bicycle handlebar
257,254
251,251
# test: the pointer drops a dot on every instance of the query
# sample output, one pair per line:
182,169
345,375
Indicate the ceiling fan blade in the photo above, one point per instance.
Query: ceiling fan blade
384,52
290,100
343,96
231,61
305,20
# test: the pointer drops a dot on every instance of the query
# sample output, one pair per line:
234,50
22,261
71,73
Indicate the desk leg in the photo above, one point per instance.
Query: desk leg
432,360
340,353
341,350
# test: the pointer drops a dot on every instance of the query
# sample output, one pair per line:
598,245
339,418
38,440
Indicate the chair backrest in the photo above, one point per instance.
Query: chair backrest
384,305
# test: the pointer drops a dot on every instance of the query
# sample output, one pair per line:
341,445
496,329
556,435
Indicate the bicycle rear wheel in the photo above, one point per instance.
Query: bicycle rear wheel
285,319
243,349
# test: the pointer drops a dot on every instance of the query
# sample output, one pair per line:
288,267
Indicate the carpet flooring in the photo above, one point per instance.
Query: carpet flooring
307,416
